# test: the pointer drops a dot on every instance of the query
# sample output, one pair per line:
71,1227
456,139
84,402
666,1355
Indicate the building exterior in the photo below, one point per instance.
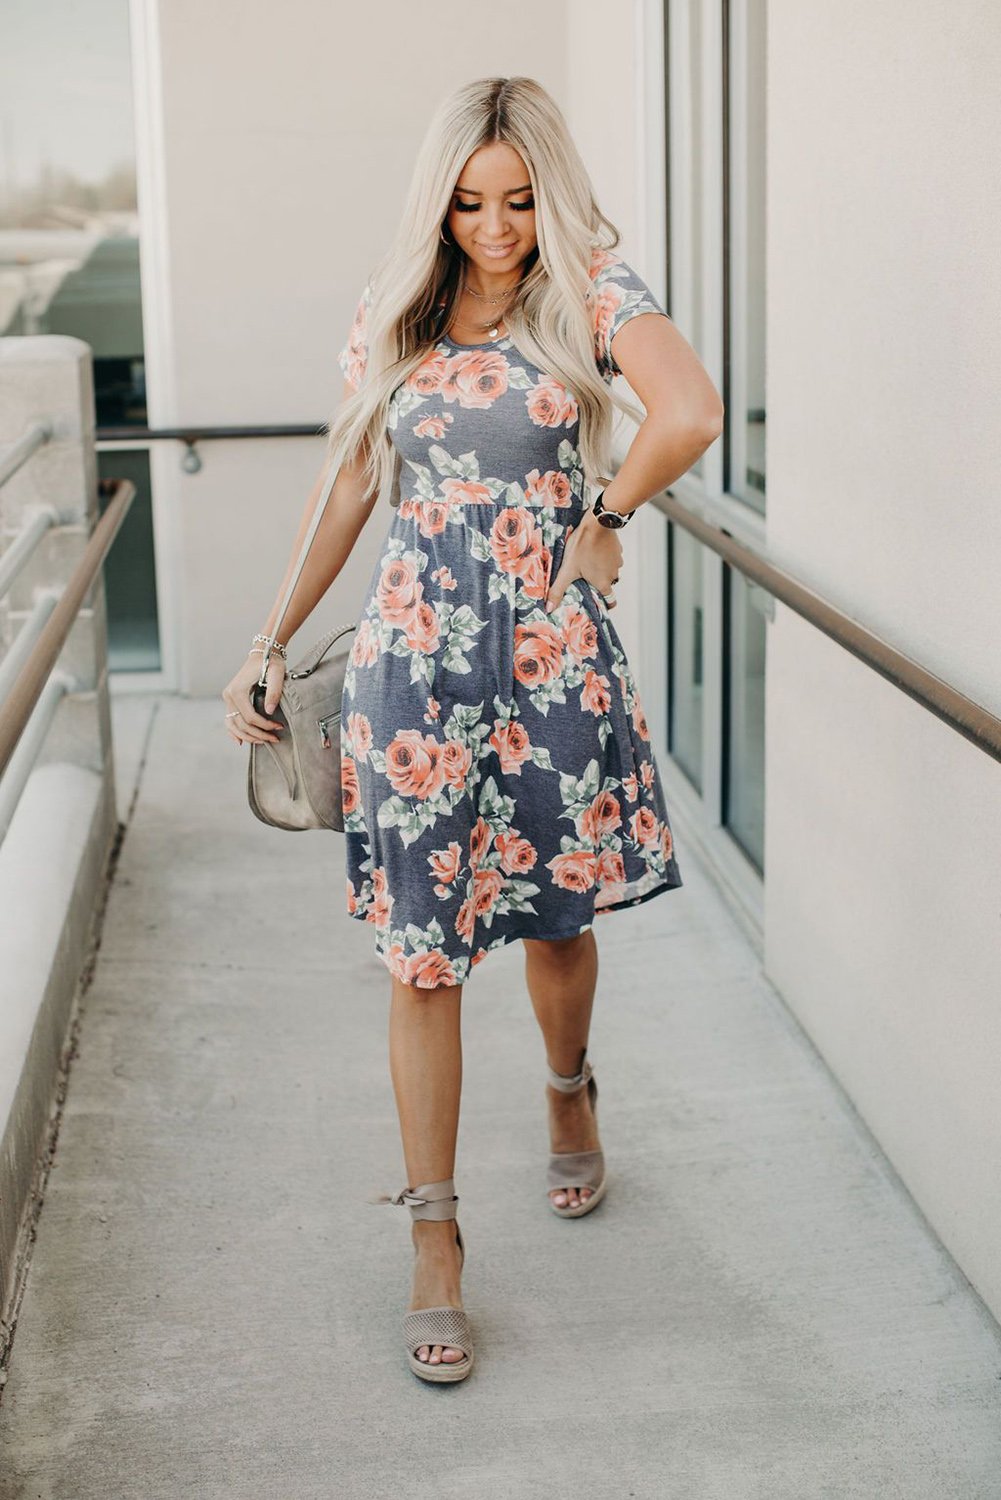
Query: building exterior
806,186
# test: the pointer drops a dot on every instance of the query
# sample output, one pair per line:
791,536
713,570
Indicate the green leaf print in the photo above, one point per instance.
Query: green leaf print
479,546
464,466
541,757
453,659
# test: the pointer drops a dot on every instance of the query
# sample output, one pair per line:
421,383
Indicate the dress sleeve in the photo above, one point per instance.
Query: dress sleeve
354,356
622,295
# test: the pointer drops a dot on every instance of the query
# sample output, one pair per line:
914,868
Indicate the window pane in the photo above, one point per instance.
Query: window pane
129,570
685,636
744,716
745,190
69,248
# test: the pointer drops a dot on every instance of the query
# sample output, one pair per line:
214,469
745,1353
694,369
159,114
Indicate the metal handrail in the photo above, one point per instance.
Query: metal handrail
200,434
18,453
967,717
30,683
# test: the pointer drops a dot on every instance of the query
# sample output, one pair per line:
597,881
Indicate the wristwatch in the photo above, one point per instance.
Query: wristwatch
612,518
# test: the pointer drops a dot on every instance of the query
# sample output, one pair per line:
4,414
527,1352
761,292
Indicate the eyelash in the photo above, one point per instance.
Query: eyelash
472,208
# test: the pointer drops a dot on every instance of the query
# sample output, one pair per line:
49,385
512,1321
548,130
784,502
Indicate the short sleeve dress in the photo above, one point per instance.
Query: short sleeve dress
497,771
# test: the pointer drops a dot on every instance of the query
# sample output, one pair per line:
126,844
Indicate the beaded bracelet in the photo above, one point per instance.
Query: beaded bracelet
267,640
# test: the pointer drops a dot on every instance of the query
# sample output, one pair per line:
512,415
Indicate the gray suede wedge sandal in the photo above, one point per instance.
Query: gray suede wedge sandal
577,1169
445,1325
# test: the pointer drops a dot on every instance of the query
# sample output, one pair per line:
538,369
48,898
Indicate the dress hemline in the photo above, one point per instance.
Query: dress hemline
544,937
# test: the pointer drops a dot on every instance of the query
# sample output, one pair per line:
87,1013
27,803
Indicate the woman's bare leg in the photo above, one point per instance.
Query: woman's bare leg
561,976
425,1063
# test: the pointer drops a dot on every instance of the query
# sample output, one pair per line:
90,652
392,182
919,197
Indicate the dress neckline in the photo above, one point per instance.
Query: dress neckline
490,343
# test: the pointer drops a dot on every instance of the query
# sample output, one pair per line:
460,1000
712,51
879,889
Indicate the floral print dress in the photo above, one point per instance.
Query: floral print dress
497,771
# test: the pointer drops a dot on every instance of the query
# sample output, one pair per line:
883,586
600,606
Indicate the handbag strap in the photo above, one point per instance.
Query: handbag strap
321,506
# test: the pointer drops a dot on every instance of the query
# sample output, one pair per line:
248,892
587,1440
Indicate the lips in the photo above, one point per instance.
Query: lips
499,249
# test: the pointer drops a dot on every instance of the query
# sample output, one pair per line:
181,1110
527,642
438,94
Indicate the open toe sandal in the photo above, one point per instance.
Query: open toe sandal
577,1169
445,1325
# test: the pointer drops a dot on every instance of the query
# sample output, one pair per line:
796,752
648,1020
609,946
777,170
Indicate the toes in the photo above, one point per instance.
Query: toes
423,1353
451,1355
435,1355
585,1193
559,1197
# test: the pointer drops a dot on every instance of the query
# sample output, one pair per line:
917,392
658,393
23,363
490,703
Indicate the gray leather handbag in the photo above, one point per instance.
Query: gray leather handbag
295,782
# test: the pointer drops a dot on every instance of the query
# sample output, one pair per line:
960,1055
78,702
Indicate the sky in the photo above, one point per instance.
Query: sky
65,88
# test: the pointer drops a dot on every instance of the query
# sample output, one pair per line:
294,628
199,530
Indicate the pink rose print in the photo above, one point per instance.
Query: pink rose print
517,854
573,871
465,921
639,720
630,785
550,403
443,577
398,590
594,694
457,759
581,635
432,516
381,905
445,866
644,827
538,652
475,378
551,488
611,869
350,792
479,841
428,376
466,492
423,629
646,774
432,714
359,734
365,648
433,427
511,743
600,819
610,299
487,886
414,764
428,971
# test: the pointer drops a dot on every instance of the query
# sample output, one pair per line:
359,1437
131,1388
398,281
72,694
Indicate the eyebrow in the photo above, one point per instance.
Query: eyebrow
526,189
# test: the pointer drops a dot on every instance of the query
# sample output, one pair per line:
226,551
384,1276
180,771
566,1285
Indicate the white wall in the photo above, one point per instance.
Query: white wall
883,839
275,151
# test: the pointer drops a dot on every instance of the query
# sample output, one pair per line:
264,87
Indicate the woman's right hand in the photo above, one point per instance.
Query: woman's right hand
243,722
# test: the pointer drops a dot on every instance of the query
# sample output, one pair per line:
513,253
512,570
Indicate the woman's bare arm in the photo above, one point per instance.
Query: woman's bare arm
348,508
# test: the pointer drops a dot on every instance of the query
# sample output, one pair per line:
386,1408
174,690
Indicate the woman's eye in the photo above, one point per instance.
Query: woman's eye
474,208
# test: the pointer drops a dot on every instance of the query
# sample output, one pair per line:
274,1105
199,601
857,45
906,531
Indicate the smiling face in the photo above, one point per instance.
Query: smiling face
492,213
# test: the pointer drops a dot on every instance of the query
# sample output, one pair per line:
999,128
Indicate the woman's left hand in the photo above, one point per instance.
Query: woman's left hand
592,552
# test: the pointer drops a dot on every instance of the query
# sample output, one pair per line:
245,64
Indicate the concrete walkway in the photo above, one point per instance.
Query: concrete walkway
756,1312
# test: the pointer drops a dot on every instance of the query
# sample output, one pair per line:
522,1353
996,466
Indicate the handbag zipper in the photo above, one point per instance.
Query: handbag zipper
324,731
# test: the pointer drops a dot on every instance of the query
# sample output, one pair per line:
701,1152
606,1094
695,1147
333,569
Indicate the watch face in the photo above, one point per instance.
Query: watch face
610,519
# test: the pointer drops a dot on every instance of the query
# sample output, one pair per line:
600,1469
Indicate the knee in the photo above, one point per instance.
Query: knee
557,950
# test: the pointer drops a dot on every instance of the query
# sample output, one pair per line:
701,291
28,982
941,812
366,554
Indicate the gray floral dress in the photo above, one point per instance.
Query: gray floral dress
497,770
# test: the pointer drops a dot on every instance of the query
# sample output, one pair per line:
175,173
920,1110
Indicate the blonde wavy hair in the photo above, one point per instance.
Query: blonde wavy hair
551,322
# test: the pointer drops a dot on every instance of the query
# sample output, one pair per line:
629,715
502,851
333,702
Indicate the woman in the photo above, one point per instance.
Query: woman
497,771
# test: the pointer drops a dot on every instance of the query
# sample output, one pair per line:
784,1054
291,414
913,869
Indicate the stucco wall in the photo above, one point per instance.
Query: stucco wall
883,907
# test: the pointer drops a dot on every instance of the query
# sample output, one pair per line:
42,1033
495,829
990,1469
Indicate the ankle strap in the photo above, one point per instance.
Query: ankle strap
430,1200
567,1085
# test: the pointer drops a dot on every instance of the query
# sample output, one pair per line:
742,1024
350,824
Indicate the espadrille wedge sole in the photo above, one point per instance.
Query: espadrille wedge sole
444,1325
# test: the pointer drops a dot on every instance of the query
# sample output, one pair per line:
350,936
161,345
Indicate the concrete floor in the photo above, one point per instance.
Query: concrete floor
213,1309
